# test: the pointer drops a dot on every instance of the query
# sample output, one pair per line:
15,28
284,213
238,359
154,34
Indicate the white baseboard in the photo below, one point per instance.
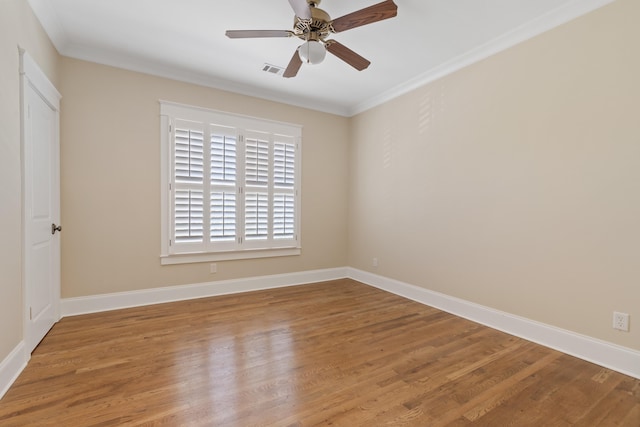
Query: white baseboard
618,358
612,356
12,366
115,301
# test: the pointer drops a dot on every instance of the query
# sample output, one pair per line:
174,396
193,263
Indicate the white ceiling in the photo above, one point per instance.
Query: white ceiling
185,40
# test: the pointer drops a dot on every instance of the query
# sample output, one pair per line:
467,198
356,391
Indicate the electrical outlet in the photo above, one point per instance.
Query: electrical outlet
621,321
213,268
374,263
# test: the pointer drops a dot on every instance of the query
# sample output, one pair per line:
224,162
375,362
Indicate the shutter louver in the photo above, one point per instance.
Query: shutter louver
256,216
189,156
223,159
188,214
223,217
257,162
284,164
283,216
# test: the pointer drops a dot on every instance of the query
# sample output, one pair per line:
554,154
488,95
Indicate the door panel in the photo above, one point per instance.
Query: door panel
41,204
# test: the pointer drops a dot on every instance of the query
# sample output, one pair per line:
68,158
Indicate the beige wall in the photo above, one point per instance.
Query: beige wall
18,26
111,182
514,183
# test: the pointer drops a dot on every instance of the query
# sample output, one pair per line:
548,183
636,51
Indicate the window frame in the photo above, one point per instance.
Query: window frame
242,248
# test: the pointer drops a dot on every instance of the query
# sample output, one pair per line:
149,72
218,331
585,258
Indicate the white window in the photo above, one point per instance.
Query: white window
230,186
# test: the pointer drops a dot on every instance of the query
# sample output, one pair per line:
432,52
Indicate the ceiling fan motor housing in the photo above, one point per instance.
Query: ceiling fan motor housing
315,28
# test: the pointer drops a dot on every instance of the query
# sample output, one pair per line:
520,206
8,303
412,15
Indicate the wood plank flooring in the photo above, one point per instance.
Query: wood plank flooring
329,354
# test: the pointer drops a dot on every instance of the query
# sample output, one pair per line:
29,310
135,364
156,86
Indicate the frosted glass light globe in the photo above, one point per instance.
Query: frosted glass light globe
312,52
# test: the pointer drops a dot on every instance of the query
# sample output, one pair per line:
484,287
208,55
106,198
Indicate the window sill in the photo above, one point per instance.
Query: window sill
227,256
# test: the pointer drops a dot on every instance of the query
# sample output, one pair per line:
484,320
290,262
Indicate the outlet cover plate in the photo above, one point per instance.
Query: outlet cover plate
621,321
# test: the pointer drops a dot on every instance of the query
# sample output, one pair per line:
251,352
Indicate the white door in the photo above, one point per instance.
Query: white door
41,202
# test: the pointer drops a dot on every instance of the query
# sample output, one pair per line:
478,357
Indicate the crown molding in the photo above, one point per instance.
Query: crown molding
561,15
533,28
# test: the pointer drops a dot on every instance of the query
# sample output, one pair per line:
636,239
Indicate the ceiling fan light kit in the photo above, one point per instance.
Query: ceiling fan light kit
314,25
312,52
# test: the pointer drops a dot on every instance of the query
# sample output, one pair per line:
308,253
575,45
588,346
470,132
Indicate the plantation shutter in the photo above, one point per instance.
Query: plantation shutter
284,164
256,216
189,216
188,182
232,185
283,216
257,160
189,155
257,165
224,176
284,204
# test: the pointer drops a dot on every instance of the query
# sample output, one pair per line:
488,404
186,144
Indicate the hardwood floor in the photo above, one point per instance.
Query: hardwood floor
337,353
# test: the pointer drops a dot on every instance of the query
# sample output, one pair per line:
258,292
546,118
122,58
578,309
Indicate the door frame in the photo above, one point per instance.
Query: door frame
31,76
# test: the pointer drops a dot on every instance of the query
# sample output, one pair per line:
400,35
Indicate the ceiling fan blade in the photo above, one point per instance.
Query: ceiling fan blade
245,34
378,12
301,8
347,55
294,65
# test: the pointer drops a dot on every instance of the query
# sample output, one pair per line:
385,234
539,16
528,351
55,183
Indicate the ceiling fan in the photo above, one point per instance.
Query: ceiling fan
314,25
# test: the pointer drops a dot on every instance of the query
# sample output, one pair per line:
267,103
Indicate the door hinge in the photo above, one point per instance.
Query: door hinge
30,313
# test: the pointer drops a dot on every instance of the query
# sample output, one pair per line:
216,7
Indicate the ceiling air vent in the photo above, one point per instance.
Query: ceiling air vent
273,69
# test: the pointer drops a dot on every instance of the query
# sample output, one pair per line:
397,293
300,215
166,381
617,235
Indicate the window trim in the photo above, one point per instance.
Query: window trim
186,112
